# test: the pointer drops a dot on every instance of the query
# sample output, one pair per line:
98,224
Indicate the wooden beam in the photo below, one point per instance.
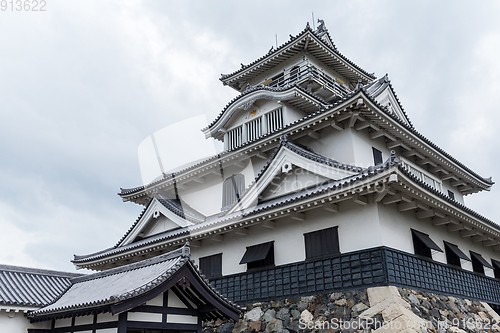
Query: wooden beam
468,233
490,243
241,231
458,182
261,155
217,238
313,134
376,134
353,119
380,195
423,206
363,125
199,180
395,198
403,207
448,176
338,126
239,164
360,200
343,117
194,243
481,238
441,221
425,161
298,216
333,208
269,224
455,227
437,169
425,214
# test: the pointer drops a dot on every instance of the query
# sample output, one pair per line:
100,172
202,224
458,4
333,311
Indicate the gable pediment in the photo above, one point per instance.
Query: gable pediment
388,99
154,220
290,170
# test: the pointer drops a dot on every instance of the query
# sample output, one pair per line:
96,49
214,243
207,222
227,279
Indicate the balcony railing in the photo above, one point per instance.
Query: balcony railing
304,72
423,175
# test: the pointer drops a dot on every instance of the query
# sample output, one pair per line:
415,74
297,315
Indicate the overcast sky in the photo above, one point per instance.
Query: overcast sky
85,82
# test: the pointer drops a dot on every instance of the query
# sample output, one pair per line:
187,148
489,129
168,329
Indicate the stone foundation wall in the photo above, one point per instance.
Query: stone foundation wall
379,309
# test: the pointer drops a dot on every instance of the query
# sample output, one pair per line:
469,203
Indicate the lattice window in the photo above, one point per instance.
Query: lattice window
234,138
274,120
232,189
254,129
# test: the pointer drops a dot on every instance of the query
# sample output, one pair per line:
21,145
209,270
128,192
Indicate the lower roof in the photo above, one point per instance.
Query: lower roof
116,290
31,287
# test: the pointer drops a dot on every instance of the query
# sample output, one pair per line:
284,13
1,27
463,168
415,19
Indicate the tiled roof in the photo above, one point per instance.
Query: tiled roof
378,86
21,286
368,93
447,198
422,137
181,209
273,52
264,88
122,283
142,243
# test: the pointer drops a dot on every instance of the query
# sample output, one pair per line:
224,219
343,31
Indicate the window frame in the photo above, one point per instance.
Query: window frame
376,155
320,237
217,258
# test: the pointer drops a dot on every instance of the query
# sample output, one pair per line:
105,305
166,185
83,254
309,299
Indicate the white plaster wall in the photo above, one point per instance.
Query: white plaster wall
106,317
333,144
174,301
84,320
143,316
66,322
396,233
18,323
358,229
157,301
181,319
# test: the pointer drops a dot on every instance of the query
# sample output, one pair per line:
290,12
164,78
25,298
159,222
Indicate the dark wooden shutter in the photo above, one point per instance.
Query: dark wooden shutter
377,156
211,266
322,242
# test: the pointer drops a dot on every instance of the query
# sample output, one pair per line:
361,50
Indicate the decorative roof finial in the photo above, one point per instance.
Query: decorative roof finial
321,27
283,138
242,65
359,85
270,50
308,27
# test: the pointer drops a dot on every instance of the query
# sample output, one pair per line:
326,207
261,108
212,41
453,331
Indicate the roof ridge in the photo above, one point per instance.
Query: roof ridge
303,32
37,271
181,252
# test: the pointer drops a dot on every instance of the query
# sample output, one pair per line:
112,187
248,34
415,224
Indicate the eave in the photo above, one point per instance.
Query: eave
382,123
306,41
296,96
357,110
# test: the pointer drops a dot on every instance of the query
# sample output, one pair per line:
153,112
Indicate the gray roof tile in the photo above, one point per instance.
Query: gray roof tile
21,286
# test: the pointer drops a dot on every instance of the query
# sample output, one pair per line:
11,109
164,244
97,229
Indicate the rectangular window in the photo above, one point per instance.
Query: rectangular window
234,138
451,194
254,129
259,256
423,245
377,156
322,243
496,268
454,254
478,263
211,266
274,120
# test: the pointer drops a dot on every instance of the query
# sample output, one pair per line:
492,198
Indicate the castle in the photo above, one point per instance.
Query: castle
324,185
